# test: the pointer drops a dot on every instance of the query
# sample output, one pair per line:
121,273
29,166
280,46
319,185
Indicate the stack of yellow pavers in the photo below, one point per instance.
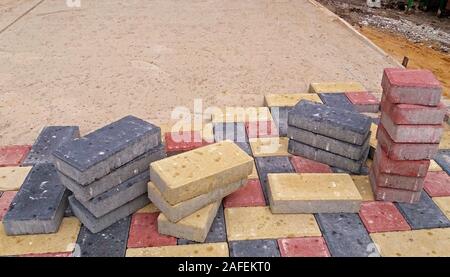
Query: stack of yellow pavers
188,188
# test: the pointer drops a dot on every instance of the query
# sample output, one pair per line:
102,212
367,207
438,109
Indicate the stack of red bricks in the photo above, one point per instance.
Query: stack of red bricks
408,134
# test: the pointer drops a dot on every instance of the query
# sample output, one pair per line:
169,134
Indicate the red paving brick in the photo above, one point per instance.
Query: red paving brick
382,217
362,98
250,195
144,232
417,168
261,129
303,247
303,165
58,254
183,141
437,184
13,155
5,200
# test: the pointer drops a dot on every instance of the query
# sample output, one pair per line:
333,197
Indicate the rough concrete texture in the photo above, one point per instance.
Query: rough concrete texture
116,177
39,205
199,171
50,138
234,131
330,144
343,125
417,168
392,195
254,248
98,153
337,100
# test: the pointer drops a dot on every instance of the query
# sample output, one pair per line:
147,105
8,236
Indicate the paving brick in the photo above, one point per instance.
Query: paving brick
254,248
242,114
117,196
412,133
343,125
49,255
382,217
411,86
98,153
363,101
184,141
254,174
313,193
345,235
423,214
111,242
12,177
405,151
13,155
249,195
261,129
289,99
246,147
413,114
397,181
392,195
50,138
437,184
303,247
5,200
183,209
249,223
443,159
191,250
362,183
183,176
304,165
337,100
95,224
150,208
445,138
444,204
194,227
319,155
374,117
416,243
266,147
434,166
266,165
39,205
144,232
349,150
340,87
230,131
417,168
280,117
62,241
373,140
116,177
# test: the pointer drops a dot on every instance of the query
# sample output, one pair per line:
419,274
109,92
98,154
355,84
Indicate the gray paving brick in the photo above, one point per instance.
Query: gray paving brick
50,138
106,149
280,117
230,131
443,159
246,147
39,205
345,235
337,100
254,248
348,126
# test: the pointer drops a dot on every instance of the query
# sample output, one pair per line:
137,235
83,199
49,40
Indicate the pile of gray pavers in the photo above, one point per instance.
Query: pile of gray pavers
108,170
329,135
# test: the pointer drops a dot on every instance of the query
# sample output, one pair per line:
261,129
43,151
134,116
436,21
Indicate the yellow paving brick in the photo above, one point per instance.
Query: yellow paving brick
329,87
265,147
445,139
369,163
11,178
194,227
313,193
254,174
434,166
289,99
150,208
62,241
199,171
249,223
443,204
362,183
191,250
425,242
373,135
242,114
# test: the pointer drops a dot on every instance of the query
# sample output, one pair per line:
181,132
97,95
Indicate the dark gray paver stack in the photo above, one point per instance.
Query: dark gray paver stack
107,170
329,135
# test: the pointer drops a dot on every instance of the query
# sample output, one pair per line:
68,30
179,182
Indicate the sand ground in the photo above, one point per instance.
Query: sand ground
90,65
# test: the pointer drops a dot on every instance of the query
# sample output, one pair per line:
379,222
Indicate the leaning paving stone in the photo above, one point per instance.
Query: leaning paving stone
336,87
93,156
39,205
254,248
437,184
219,249
348,150
340,124
49,140
345,235
392,195
234,131
111,242
193,227
116,177
62,241
117,196
364,101
411,86
417,168
183,209
13,155
303,247
96,225
397,181
313,193
199,171
266,147
443,159
337,100
423,214
12,177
